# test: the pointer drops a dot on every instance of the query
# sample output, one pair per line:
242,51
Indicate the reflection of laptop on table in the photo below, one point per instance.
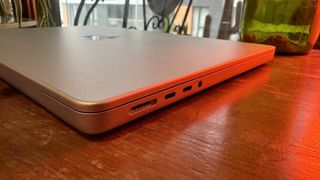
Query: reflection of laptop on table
98,85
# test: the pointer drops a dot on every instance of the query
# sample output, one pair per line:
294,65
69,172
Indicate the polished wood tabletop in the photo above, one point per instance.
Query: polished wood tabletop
263,124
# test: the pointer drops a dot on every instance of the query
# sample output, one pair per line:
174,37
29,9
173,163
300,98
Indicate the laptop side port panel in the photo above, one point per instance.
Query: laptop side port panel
165,97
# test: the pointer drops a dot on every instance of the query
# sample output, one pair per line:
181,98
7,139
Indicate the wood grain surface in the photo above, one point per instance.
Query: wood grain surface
263,124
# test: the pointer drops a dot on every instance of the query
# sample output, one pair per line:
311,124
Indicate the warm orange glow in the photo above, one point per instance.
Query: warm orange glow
304,135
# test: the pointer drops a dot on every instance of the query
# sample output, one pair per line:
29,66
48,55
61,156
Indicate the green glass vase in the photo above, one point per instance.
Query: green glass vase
290,25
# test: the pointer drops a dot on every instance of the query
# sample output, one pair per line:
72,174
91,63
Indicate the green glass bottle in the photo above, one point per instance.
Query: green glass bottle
290,25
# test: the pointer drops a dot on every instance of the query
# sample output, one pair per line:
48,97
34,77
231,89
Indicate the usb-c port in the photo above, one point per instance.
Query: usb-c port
170,95
188,88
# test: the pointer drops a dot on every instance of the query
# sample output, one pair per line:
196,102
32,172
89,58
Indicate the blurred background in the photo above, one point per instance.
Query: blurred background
110,13
200,18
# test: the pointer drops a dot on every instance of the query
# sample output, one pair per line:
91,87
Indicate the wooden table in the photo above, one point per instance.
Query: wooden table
264,124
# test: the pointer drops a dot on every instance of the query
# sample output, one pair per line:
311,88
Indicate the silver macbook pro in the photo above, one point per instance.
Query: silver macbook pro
98,78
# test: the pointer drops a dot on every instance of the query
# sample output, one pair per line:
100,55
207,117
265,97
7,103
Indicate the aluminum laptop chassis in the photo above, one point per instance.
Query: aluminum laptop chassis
98,116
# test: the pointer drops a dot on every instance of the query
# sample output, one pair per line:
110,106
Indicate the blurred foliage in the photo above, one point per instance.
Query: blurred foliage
48,13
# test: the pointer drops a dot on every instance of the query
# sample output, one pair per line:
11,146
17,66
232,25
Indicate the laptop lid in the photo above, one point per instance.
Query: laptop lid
98,78
93,69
